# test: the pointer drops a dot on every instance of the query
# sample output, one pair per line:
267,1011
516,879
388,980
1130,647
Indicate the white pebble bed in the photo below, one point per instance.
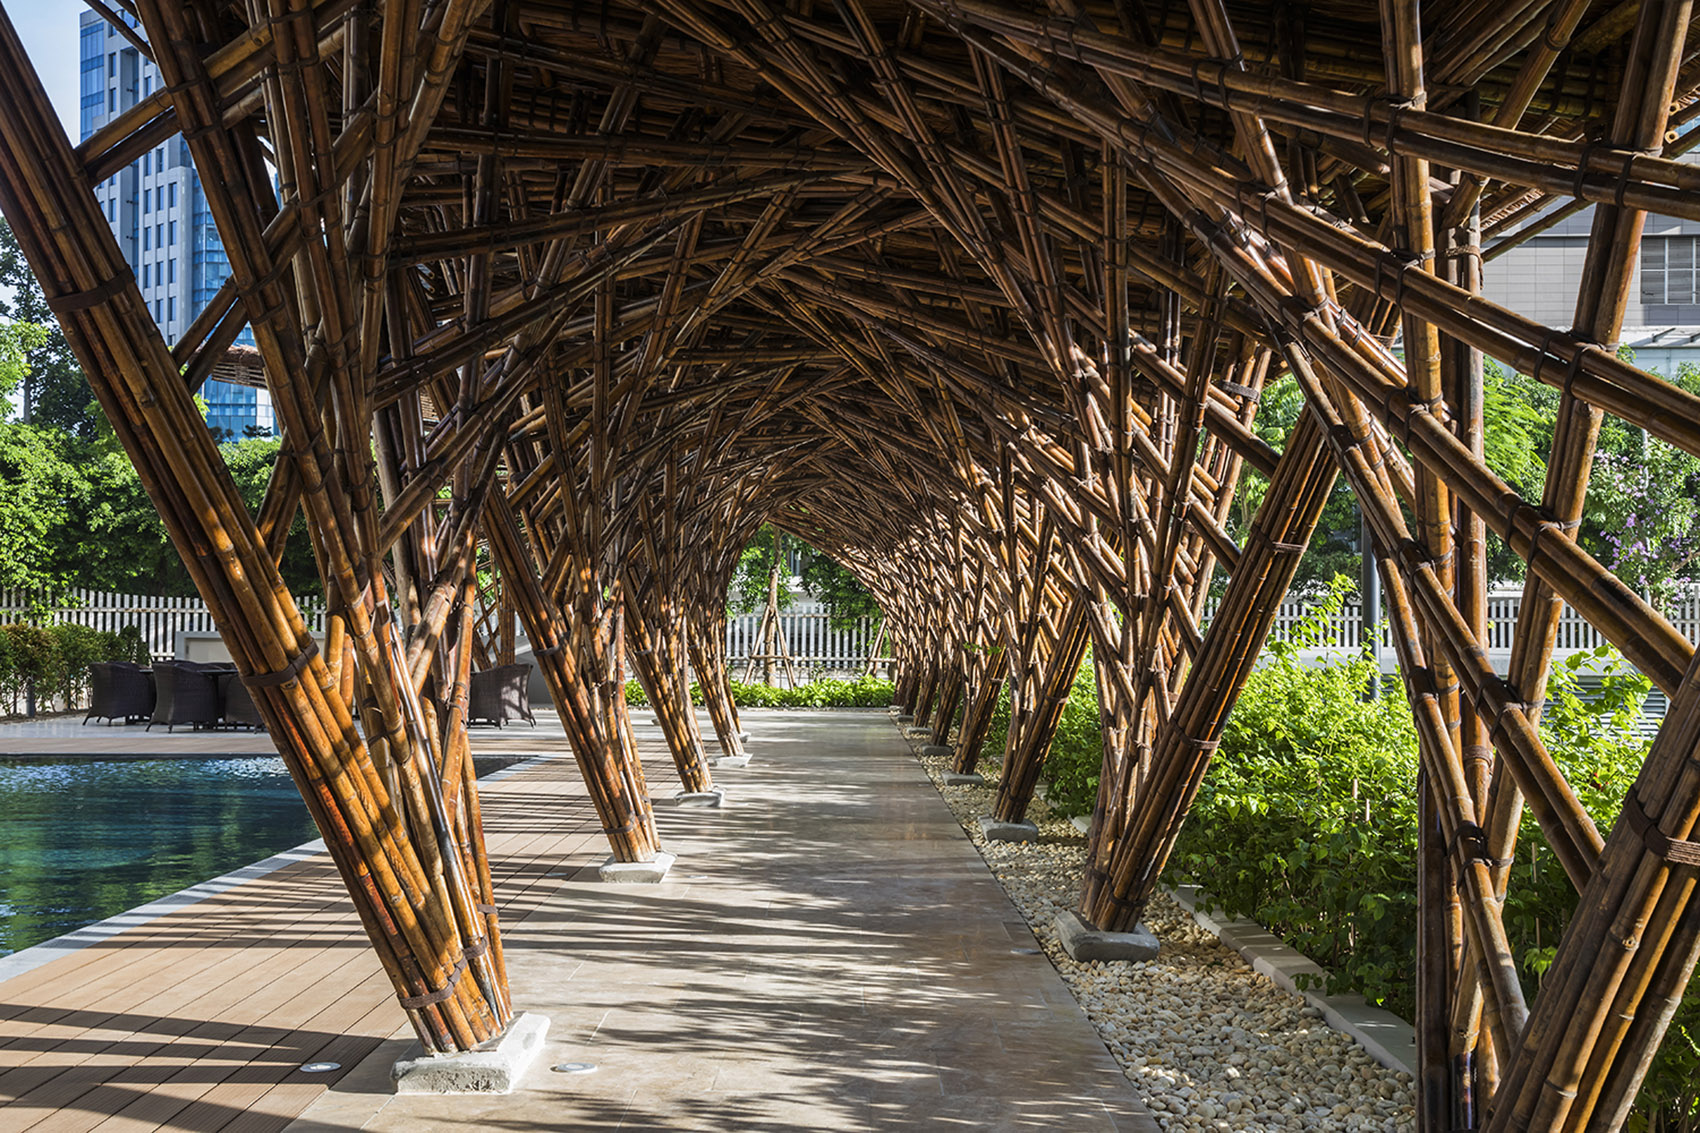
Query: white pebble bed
1207,1042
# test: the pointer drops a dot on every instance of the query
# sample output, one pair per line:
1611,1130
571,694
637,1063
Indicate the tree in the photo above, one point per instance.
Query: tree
75,513
839,591
55,393
38,480
748,590
1517,420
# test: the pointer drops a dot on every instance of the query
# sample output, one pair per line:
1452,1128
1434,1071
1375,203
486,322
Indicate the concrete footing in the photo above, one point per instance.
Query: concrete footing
906,718
743,737
918,733
936,749
961,779
626,873
730,761
494,1068
1083,942
713,798
996,831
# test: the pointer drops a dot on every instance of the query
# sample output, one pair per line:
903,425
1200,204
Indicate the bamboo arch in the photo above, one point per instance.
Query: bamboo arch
978,297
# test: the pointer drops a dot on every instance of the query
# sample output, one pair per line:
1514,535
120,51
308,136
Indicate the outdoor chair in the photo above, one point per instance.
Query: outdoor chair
119,690
499,695
188,694
239,707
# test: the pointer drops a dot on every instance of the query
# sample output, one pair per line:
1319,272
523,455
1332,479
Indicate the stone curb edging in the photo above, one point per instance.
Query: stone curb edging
29,959
1384,1036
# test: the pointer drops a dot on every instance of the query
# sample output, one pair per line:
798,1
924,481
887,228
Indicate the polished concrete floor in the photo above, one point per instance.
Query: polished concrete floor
830,952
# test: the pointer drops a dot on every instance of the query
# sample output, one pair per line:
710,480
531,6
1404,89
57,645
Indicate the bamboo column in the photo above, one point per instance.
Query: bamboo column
407,878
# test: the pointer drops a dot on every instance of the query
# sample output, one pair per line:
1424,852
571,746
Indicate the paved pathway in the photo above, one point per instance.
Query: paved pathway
830,953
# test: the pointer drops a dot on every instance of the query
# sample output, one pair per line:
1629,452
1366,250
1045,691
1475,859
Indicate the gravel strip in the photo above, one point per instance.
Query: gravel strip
1209,1043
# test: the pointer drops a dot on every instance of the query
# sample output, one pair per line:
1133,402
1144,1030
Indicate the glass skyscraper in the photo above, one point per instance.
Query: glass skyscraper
160,216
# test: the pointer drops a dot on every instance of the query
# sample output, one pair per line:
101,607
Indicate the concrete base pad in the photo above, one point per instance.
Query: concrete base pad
731,761
996,831
958,779
921,733
494,1068
629,872
1083,942
906,718
713,798
743,737
936,749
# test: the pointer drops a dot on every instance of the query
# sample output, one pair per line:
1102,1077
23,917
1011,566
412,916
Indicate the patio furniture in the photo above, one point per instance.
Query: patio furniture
119,690
239,707
499,695
188,693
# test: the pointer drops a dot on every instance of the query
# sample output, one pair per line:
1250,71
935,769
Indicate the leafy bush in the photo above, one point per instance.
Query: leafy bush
76,647
864,692
1077,752
34,658
56,660
1307,824
1307,819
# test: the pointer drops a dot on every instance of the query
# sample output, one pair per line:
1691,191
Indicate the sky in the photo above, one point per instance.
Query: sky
49,32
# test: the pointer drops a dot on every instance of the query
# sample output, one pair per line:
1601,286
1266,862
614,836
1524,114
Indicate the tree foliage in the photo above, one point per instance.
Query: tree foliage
55,393
817,574
1638,520
75,514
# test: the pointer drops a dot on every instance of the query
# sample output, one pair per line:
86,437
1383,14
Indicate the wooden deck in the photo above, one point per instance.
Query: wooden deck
202,1018
832,954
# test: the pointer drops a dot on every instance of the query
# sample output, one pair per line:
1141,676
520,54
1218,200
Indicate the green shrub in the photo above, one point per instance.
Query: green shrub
34,655
1077,753
77,647
864,692
131,646
57,659
1307,824
1306,821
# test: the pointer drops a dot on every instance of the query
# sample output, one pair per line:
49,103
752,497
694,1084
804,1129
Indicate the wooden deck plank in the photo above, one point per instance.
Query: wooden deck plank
201,1018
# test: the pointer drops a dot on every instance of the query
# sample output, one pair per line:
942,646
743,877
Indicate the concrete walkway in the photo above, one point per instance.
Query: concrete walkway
829,953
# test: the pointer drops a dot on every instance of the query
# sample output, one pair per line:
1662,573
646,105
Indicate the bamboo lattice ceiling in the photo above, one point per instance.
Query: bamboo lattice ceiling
978,296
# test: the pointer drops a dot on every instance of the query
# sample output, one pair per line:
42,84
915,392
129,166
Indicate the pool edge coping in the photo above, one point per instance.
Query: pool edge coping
27,960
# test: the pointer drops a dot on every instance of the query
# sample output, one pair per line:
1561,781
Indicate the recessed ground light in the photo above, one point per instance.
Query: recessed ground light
574,1067
697,877
1025,951
320,1067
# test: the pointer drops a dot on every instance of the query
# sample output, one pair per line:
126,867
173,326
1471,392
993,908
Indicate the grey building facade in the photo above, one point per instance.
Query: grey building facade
160,217
1540,277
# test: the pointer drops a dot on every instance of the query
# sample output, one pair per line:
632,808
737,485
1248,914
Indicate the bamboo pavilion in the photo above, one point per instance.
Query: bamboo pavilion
979,296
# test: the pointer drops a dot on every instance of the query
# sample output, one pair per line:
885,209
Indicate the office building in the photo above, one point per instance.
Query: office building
1661,324
160,216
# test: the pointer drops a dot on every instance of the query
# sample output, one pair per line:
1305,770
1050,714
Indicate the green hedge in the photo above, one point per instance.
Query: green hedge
1307,824
57,659
864,692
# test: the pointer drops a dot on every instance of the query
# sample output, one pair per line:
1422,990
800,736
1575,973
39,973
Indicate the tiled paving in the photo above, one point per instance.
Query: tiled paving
829,953
67,737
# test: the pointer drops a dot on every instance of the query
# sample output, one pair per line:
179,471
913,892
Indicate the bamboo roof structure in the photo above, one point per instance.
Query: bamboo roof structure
978,296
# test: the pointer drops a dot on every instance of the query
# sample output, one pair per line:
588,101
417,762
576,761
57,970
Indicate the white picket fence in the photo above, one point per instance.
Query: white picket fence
161,620
1575,635
807,628
810,637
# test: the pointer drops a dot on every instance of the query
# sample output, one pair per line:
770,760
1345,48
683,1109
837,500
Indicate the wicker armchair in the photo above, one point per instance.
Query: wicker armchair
188,694
239,707
499,695
119,690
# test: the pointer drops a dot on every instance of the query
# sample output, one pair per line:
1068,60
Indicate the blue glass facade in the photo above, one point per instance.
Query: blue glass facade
159,214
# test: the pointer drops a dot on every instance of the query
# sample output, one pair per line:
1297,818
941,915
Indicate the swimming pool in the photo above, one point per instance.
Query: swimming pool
83,840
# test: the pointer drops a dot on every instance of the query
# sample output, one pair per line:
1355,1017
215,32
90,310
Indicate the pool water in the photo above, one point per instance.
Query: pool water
83,840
